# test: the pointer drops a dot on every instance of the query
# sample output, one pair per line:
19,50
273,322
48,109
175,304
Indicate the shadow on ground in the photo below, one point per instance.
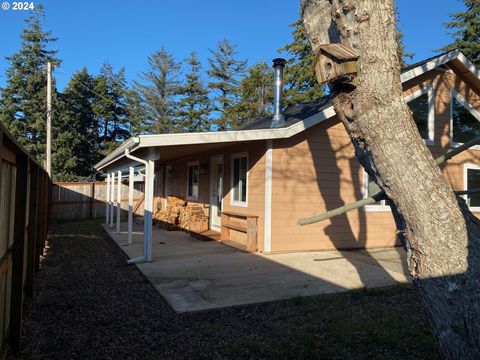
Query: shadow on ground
89,305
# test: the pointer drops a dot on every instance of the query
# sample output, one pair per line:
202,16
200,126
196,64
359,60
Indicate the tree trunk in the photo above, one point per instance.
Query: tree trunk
442,243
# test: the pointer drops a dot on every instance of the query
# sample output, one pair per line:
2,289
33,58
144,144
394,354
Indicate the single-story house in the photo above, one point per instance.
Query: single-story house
269,174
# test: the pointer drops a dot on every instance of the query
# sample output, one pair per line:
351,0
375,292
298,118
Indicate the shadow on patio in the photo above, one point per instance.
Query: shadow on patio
194,275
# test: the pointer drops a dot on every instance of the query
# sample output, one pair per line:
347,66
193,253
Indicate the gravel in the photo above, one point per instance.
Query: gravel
89,305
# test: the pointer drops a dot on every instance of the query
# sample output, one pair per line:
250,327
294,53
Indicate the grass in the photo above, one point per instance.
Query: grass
89,305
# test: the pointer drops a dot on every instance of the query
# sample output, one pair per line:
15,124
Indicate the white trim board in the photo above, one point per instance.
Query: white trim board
454,94
267,222
383,207
233,202
431,110
465,181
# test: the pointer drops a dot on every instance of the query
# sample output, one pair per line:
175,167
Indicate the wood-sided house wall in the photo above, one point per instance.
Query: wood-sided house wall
317,170
174,182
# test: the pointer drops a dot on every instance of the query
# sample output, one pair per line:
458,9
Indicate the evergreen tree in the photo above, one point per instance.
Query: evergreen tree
194,106
159,92
256,93
467,34
76,146
300,82
23,100
225,71
401,50
109,106
136,114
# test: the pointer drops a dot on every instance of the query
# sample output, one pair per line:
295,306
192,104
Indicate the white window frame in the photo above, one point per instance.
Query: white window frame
454,94
465,182
233,202
383,207
431,110
193,163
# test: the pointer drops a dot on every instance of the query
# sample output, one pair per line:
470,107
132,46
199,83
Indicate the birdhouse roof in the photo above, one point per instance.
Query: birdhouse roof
340,52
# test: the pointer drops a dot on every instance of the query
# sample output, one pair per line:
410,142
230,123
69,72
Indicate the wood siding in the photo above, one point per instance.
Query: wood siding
317,170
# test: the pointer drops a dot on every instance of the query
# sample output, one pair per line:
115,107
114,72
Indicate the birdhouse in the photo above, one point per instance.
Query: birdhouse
335,62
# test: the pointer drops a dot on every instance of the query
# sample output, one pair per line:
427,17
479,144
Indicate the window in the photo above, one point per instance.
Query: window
193,177
471,182
239,179
465,120
369,189
421,104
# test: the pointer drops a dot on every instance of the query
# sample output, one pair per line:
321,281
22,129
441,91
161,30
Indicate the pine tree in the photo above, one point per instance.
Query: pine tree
109,106
23,100
225,72
256,93
467,34
159,92
136,114
300,82
401,50
76,146
194,106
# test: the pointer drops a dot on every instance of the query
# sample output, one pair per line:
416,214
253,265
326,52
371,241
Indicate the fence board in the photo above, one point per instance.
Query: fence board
23,183
73,201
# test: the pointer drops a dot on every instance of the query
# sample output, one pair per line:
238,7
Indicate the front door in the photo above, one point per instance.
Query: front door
216,192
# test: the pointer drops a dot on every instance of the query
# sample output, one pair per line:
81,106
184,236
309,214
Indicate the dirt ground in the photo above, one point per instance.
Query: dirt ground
89,304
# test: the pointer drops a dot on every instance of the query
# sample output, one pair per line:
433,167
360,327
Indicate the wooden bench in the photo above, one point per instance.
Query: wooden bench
250,230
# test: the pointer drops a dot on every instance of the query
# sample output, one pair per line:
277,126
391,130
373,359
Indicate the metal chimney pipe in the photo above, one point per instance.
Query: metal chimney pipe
278,117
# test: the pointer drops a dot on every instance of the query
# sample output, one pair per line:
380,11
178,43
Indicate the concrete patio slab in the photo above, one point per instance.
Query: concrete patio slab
194,275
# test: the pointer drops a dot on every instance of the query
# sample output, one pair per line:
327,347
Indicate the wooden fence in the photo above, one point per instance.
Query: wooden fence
24,219
87,200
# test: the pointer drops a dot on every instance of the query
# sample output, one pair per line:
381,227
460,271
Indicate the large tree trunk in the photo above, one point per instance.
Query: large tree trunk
442,243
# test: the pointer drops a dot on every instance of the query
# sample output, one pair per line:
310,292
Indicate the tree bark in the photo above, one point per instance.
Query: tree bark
441,237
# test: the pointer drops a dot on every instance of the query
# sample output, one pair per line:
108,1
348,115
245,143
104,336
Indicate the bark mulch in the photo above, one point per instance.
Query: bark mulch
89,305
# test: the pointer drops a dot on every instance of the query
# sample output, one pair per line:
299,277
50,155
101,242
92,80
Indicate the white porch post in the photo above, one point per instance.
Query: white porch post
119,199
150,175
112,197
130,205
107,207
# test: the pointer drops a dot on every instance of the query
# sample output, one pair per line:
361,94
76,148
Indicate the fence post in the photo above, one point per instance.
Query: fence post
19,232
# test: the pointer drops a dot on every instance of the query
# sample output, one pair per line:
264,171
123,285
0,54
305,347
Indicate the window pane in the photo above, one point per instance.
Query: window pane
419,108
190,181
193,174
473,182
236,179
373,189
243,179
465,125
240,179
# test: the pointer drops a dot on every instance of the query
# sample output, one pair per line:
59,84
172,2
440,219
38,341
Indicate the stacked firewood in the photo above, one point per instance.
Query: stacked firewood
190,215
171,214
179,213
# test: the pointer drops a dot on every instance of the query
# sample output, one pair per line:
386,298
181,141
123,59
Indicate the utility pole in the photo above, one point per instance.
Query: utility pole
49,119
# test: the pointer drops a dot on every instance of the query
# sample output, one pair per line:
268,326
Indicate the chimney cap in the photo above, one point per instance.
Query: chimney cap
279,61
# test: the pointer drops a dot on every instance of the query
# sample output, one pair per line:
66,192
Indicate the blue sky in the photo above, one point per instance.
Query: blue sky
126,32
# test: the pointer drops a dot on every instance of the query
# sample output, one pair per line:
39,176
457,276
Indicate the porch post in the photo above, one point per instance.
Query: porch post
107,207
150,174
112,197
130,204
119,199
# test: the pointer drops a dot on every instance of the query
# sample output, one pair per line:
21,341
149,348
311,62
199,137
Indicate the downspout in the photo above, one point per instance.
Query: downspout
147,225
